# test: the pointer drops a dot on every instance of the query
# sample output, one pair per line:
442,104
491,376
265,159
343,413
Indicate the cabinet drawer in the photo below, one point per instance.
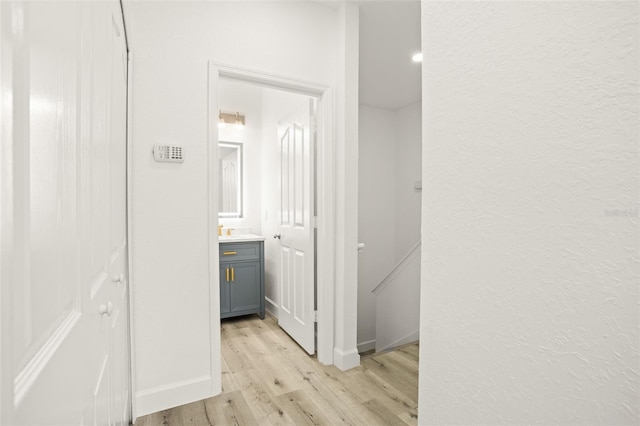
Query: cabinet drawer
239,251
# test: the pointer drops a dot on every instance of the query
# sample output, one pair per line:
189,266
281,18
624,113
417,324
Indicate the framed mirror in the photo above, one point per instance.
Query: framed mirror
230,179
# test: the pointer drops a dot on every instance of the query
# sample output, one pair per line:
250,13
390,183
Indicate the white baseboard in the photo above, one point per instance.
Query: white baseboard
271,306
171,395
366,346
346,360
412,337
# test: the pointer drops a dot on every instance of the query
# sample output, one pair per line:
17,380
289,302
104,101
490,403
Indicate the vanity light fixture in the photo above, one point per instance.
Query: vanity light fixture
417,57
239,121
235,118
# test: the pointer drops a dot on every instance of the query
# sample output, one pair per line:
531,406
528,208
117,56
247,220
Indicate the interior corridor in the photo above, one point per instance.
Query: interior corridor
267,379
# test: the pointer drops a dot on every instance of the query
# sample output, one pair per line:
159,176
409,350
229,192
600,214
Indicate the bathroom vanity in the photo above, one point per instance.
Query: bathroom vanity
241,275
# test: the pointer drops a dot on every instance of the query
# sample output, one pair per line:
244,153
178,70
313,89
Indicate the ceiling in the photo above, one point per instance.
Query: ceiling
389,36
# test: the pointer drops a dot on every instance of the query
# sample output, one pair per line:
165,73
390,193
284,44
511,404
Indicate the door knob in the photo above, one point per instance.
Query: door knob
276,236
118,278
105,309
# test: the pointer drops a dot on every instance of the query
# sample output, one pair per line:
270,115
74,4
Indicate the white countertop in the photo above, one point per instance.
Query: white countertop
240,238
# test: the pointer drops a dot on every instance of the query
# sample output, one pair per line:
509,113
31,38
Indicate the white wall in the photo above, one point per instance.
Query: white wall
398,305
408,149
376,213
529,310
172,43
346,188
389,206
247,100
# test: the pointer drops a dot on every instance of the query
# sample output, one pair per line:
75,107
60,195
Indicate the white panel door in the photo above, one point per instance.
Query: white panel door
296,229
104,177
63,208
119,324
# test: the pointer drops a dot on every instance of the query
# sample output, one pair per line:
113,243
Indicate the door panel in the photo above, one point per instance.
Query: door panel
69,338
285,173
285,279
299,271
244,291
296,275
224,289
301,172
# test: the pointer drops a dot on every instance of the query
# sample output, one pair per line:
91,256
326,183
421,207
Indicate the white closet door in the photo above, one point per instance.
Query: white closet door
64,357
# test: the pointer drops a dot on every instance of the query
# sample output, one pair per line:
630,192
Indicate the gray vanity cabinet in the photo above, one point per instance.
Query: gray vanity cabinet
241,279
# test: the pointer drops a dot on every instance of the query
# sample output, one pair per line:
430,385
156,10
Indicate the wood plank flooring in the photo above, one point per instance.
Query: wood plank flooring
267,379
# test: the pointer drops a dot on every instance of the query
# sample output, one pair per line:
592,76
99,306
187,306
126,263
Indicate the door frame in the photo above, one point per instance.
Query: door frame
326,203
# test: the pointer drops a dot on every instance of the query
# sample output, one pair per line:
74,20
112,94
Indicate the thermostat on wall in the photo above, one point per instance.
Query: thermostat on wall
168,153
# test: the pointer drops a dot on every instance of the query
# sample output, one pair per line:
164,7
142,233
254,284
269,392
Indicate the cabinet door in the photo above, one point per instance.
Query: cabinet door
224,289
245,286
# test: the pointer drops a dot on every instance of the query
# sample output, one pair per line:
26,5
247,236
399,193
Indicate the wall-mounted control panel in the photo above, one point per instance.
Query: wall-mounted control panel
168,153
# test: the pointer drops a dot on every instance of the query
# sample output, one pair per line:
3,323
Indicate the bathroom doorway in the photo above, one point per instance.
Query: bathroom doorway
287,174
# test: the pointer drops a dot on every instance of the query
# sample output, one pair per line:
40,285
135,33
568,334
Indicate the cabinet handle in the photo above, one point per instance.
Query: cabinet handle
227,274
233,274
227,253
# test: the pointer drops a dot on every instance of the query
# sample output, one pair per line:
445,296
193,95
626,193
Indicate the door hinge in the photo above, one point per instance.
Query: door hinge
315,221
315,316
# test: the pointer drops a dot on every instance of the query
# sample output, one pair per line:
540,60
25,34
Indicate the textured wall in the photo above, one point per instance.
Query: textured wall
530,213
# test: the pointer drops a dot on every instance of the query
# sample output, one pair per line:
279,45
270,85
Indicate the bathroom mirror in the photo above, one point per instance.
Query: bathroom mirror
230,179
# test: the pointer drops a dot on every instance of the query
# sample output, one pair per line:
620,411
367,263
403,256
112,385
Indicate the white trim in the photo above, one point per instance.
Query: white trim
366,346
172,395
272,81
6,251
325,204
404,262
326,227
345,298
30,373
409,338
271,307
213,245
130,279
346,360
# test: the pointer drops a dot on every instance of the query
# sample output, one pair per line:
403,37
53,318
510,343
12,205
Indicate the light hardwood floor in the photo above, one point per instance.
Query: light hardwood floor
267,379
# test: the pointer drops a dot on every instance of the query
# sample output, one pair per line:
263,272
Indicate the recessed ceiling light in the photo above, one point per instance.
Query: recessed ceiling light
417,57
